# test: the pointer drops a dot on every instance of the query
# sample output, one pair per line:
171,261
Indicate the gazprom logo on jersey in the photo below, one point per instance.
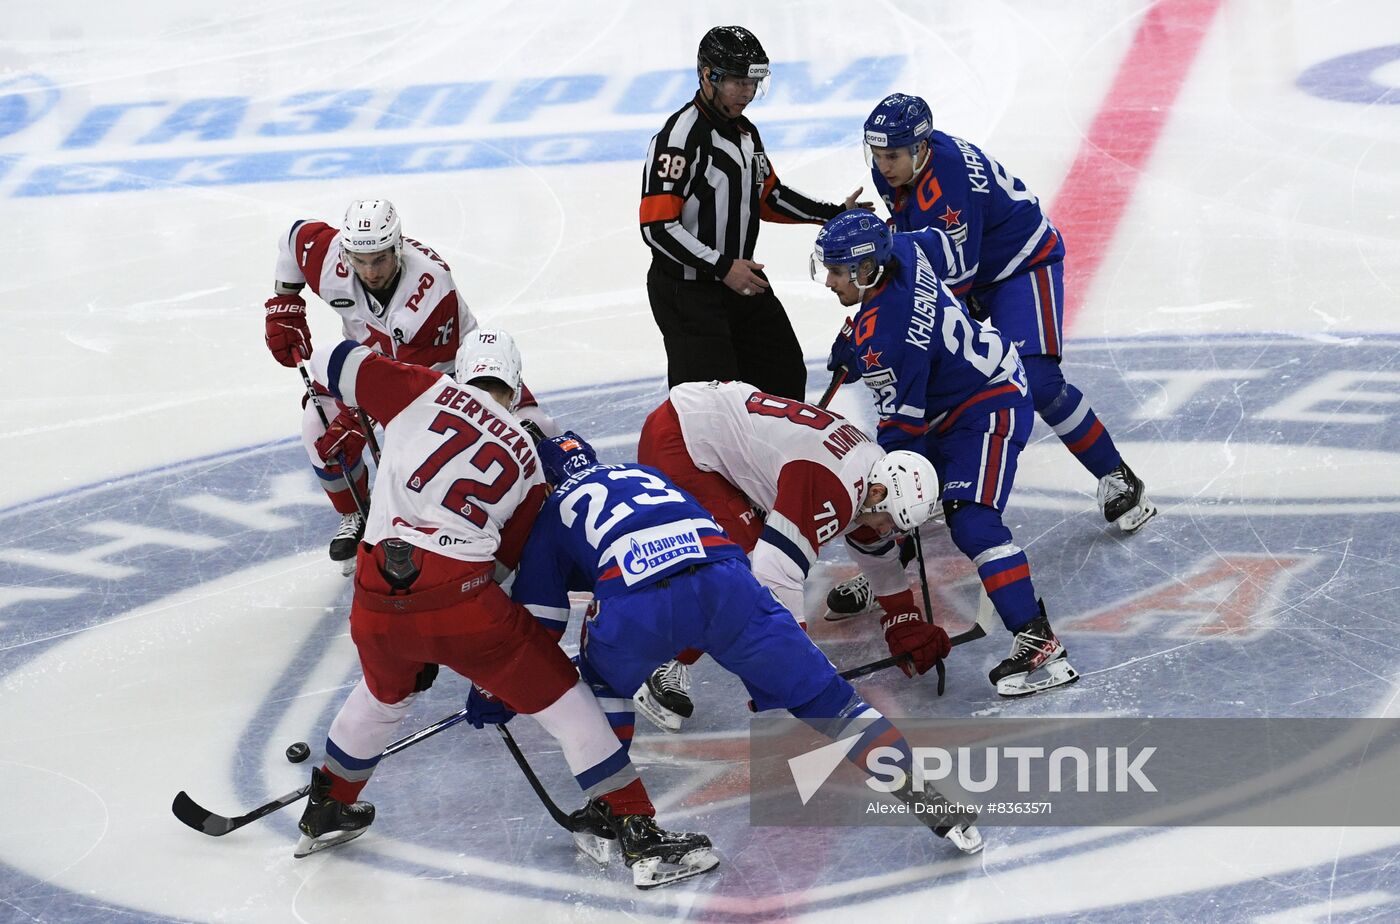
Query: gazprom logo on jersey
421,128
650,550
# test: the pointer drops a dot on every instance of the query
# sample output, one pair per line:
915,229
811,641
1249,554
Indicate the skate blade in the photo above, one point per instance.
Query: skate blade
598,849
1136,518
347,567
664,719
309,845
651,873
1052,674
966,838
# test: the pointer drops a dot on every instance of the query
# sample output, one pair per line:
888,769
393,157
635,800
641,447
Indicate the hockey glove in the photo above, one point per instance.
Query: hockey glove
843,353
343,439
286,328
484,709
907,633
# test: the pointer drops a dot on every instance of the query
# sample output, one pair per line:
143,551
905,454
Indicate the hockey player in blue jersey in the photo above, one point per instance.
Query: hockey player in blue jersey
665,577
953,389
1009,268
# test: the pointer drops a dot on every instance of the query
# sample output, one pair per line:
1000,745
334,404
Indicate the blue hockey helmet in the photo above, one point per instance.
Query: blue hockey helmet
565,456
900,120
848,240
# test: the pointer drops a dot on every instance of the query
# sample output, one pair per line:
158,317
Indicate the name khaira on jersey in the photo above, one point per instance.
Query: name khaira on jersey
520,447
650,550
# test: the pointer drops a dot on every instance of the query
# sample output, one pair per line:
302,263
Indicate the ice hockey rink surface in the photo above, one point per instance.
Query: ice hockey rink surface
1227,177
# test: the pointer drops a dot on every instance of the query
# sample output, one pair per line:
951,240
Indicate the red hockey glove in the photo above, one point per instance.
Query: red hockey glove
285,328
907,633
342,436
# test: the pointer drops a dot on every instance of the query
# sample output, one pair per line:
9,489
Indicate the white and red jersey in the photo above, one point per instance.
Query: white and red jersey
804,466
422,324
457,476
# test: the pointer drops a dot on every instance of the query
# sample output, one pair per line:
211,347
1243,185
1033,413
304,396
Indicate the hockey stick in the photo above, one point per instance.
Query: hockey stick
555,812
370,438
873,667
837,379
928,606
203,820
985,612
325,422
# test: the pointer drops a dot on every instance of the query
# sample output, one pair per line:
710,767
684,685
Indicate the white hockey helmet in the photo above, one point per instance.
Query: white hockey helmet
489,353
371,225
911,488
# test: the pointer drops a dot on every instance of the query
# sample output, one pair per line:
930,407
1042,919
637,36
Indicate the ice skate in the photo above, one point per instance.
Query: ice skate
1037,662
665,697
326,822
956,823
1123,499
657,857
346,541
850,598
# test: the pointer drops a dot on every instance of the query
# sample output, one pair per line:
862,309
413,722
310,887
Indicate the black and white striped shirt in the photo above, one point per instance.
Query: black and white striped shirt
707,182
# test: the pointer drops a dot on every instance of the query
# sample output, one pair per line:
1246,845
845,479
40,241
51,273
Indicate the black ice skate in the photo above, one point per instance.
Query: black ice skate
665,697
657,857
326,822
1123,499
346,541
850,598
956,823
1034,650
855,597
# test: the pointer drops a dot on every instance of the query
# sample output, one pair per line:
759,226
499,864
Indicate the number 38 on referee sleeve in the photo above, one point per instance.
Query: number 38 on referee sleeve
670,166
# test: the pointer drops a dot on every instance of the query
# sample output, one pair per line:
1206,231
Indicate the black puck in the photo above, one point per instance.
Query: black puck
298,752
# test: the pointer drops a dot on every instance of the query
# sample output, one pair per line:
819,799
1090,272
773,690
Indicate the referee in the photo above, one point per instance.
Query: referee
707,184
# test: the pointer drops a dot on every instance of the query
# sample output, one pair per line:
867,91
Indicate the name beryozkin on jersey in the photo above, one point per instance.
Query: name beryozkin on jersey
520,447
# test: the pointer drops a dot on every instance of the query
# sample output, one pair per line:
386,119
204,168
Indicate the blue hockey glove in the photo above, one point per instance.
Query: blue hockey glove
484,709
843,353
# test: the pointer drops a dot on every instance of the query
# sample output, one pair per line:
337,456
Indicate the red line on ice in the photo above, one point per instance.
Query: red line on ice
1095,194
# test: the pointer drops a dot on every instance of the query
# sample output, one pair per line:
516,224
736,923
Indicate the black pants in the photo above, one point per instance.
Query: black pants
712,332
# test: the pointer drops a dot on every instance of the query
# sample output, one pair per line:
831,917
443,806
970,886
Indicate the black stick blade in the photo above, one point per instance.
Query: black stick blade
201,819
971,635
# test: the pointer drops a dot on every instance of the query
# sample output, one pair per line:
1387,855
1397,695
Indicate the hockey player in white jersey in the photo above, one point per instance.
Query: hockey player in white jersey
811,474
394,295
458,488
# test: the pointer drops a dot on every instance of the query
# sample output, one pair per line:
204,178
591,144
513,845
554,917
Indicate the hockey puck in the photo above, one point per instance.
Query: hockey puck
298,752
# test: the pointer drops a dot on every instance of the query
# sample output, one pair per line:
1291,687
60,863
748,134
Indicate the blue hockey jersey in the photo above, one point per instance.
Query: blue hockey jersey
609,529
995,223
926,360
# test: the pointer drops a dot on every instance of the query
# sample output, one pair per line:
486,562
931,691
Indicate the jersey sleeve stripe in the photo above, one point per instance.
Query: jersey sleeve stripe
660,207
342,369
787,546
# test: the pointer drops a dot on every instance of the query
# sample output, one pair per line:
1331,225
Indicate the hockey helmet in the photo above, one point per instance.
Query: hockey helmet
565,456
848,240
371,225
900,120
489,353
733,51
911,488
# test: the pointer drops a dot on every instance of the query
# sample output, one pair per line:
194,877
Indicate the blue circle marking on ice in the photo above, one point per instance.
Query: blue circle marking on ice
24,100
1273,459
1352,77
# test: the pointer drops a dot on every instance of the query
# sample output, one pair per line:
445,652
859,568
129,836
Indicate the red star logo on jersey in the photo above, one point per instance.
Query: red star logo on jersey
950,216
871,358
